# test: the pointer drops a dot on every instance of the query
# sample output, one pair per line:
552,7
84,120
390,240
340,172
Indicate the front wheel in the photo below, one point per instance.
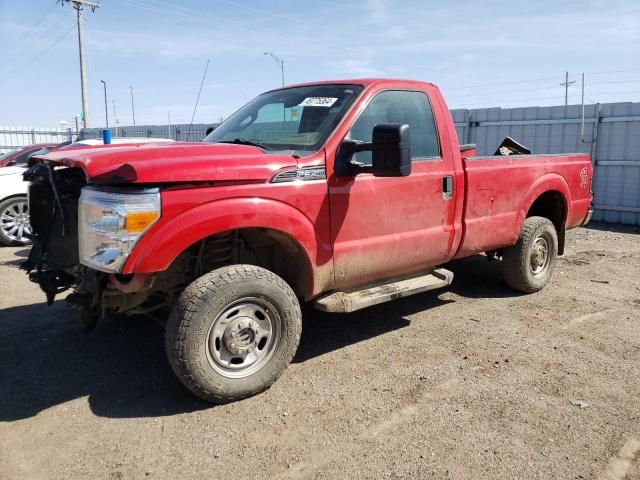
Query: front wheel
528,265
233,332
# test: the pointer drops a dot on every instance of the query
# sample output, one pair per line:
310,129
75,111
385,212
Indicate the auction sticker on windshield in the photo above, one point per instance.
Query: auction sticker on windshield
318,102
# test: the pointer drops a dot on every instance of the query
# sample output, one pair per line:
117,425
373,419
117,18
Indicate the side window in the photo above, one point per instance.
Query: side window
397,106
23,158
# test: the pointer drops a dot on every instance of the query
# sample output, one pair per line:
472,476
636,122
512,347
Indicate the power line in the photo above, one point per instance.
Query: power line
33,27
35,40
29,62
173,10
534,80
548,97
611,71
248,7
484,94
502,93
504,83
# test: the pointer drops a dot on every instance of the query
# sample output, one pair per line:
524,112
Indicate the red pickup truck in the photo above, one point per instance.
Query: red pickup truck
343,194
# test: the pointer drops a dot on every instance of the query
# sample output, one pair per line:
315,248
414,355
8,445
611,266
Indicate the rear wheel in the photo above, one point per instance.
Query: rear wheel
233,332
528,265
14,221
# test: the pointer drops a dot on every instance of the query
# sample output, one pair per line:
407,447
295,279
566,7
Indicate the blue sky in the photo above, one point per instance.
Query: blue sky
481,53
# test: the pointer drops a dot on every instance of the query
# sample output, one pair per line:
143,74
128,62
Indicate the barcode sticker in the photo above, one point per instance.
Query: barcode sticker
318,102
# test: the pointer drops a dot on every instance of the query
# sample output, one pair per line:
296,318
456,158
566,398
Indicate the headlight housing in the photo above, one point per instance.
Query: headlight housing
111,222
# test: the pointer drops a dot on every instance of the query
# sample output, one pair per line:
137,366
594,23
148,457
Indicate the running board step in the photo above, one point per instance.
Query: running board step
355,299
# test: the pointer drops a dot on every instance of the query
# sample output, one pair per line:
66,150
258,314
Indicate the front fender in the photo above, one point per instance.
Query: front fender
167,239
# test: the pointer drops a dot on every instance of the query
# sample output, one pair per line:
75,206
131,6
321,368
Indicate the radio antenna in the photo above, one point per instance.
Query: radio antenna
197,99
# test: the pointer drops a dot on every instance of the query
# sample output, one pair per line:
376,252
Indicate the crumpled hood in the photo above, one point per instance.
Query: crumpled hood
169,162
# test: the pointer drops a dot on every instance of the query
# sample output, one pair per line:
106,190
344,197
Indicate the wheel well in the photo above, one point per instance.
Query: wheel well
263,247
15,195
551,205
279,253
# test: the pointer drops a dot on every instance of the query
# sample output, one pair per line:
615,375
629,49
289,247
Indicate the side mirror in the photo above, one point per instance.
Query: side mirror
390,153
391,150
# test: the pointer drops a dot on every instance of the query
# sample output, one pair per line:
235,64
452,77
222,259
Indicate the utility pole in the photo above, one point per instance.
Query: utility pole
106,110
582,127
566,88
79,5
115,117
133,110
279,61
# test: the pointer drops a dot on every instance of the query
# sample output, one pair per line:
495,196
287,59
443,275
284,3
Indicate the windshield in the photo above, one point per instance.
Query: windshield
9,153
298,118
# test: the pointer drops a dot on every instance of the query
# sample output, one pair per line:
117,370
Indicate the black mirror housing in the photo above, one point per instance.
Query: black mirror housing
391,150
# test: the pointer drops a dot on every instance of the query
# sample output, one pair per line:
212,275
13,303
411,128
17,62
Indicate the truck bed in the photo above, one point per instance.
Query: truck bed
499,190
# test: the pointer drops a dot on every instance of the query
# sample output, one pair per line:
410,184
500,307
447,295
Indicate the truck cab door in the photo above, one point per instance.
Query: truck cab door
390,226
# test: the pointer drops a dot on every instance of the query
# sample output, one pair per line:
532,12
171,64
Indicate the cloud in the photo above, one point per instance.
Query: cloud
354,67
377,10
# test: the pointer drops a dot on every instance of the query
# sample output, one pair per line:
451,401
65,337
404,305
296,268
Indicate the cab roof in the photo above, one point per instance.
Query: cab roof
365,82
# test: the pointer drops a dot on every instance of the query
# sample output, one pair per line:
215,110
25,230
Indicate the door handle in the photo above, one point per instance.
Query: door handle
447,187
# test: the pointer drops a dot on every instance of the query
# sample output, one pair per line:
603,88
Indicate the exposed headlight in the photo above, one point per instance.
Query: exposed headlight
110,223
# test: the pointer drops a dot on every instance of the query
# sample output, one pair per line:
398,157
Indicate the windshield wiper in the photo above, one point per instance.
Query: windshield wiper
244,141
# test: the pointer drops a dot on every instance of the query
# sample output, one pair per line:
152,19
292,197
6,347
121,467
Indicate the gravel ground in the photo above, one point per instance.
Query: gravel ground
473,382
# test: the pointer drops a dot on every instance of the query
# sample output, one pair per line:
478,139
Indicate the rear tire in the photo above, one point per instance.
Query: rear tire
528,265
14,221
233,332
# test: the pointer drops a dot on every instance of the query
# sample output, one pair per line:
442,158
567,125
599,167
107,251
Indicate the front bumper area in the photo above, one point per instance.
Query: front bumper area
53,213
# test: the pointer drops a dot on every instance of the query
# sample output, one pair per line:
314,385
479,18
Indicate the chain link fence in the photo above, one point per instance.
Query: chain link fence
180,132
609,132
14,137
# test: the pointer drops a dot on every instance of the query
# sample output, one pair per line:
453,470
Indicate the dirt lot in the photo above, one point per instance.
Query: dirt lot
473,382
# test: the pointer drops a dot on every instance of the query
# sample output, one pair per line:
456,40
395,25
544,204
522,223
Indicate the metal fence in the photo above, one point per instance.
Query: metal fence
180,132
13,137
609,132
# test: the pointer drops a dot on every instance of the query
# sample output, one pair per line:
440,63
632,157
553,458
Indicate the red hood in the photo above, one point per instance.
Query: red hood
170,162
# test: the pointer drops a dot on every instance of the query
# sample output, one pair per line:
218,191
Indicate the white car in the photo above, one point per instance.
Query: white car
14,213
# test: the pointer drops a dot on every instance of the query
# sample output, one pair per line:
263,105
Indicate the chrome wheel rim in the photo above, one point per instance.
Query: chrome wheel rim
540,257
14,221
243,337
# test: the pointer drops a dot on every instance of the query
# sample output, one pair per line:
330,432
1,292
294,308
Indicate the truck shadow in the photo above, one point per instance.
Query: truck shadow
326,332
476,277
122,368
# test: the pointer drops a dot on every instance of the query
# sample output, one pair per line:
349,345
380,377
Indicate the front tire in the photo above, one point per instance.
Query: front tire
14,221
233,332
528,265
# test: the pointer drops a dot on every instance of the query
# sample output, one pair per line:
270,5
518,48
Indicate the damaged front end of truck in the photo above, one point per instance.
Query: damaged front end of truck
111,220
53,262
